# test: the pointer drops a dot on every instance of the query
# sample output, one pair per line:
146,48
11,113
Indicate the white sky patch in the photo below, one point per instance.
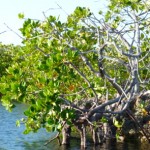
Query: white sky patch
9,10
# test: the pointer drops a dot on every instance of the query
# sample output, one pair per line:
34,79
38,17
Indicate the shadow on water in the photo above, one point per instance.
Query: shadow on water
109,145
12,137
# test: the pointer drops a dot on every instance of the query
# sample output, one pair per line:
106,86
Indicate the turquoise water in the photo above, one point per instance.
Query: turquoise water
12,138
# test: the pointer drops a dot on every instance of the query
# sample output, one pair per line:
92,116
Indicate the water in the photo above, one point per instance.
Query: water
12,137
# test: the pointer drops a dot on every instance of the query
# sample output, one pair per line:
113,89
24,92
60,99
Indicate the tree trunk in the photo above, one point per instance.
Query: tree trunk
66,132
97,135
82,131
109,130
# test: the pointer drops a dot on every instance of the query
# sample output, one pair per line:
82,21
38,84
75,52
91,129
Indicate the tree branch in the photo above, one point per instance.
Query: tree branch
87,81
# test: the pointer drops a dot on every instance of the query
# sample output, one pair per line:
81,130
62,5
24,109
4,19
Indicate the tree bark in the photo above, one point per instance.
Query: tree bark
66,132
97,135
82,130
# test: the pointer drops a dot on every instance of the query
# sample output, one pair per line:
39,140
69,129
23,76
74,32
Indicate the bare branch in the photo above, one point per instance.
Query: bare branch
137,35
85,59
87,81
146,55
62,9
39,49
3,32
98,108
56,137
117,60
13,31
72,105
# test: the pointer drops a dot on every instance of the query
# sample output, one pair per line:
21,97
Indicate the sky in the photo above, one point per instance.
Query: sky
9,10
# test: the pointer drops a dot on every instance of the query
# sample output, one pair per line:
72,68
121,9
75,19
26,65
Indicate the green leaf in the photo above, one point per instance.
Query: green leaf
51,18
117,123
100,12
145,71
104,120
142,36
20,15
59,127
108,16
16,71
15,87
18,123
27,131
50,121
32,109
27,113
21,97
23,86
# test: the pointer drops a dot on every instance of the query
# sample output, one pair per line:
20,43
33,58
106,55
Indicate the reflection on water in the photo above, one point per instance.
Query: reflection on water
12,138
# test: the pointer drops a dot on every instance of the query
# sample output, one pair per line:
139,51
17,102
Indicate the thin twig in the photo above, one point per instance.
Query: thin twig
39,49
3,32
87,81
13,31
56,137
62,9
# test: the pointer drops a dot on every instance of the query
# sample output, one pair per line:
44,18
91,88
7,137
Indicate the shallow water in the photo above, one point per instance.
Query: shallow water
12,137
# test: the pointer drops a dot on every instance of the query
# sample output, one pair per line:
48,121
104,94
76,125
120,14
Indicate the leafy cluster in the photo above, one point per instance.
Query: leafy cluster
64,64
